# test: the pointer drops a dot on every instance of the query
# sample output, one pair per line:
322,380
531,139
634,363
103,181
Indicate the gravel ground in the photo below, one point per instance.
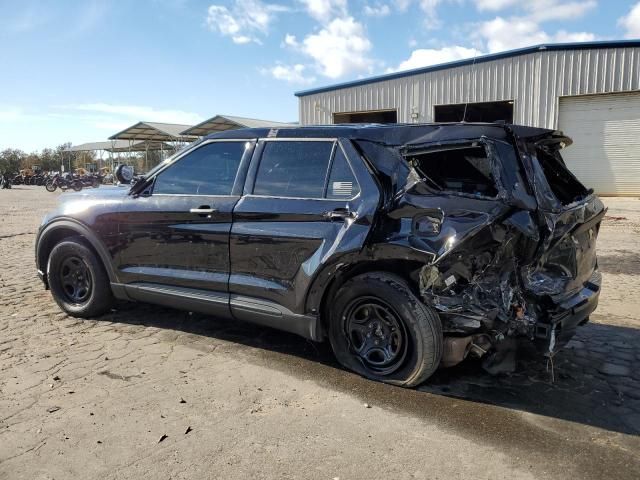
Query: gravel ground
147,392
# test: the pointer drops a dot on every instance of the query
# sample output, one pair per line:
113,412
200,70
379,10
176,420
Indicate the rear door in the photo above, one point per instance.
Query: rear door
302,204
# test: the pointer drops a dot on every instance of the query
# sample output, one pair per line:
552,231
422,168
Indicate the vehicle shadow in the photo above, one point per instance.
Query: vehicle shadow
593,381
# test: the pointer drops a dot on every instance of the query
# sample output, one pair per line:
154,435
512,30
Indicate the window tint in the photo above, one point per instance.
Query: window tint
342,182
458,169
209,170
293,169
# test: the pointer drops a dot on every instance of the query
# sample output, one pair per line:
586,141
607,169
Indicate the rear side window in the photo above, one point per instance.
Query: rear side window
293,169
209,170
463,169
342,182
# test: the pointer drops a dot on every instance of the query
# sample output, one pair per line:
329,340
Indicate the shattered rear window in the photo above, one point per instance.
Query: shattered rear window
466,169
564,185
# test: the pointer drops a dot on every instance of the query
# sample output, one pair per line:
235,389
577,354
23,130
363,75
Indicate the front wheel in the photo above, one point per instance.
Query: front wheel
77,186
51,186
78,281
380,330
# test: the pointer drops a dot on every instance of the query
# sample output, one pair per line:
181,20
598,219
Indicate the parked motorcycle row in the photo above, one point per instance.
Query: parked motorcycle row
53,180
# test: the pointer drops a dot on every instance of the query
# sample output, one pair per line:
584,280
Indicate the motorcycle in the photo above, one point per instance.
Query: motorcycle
5,182
63,183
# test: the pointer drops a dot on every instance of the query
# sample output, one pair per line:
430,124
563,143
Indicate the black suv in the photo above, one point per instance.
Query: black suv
408,247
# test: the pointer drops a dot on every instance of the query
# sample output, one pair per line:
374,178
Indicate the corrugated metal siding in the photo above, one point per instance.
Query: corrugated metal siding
606,132
534,81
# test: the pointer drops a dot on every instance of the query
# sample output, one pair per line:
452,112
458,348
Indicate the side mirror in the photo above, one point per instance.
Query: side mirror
124,173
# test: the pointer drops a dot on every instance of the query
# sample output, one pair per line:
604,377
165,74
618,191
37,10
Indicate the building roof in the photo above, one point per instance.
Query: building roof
164,132
471,61
120,146
220,123
145,145
92,146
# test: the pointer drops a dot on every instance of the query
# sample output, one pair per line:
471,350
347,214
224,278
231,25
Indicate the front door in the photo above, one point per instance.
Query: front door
177,233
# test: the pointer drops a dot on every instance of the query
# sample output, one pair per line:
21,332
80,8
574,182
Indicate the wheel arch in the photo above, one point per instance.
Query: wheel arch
400,268
60,230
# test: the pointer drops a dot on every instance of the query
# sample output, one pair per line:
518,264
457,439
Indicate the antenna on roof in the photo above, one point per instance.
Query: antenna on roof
464,114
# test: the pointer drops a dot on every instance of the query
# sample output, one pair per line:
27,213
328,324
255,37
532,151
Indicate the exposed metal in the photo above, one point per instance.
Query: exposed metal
220,123
534,78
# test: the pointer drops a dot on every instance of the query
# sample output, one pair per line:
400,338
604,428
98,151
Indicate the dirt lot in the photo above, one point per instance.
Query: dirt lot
146,392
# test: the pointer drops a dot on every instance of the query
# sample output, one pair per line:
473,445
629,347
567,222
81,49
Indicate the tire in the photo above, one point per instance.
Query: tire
77,186
78,281
379,307
51,186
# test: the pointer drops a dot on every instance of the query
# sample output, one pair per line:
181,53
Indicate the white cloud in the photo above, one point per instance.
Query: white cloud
502,34
505,34
244,21
429,7
325,10
341,47
290,41
289,73
541,10
631,22
424,57
377,10
494,5
132,113
544,10
562,36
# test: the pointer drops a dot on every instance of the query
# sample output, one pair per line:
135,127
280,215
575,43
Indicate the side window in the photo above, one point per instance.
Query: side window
293,169
209,170
464,169
342,182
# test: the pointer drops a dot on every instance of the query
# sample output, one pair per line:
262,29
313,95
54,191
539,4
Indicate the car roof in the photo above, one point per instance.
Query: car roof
390,134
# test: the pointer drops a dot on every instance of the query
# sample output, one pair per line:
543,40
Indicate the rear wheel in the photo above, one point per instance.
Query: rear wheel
77,186
78,281
379,329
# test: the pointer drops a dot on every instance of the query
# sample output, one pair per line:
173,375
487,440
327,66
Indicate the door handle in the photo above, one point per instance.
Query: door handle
203,210
338,214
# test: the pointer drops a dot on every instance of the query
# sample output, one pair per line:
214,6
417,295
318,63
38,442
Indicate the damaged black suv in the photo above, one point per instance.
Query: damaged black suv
408,247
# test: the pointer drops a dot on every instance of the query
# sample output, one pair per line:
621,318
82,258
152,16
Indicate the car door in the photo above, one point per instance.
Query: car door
302,205
175,235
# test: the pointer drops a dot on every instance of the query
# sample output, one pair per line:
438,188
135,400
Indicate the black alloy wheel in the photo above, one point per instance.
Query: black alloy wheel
75,278
78,280
381,330
376,334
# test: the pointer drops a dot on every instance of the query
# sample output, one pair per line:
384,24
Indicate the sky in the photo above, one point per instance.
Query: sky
80,71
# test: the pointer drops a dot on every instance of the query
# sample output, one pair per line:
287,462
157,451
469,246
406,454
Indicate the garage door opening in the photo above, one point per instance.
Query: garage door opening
377,116
476,112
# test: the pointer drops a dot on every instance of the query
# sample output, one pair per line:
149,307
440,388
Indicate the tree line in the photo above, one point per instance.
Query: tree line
12,160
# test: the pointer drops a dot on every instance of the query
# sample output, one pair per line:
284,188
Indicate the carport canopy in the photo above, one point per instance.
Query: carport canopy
120,146
93,146
153,131
220,123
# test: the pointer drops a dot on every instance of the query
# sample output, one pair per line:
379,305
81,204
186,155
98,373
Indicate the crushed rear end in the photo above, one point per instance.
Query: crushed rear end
510,234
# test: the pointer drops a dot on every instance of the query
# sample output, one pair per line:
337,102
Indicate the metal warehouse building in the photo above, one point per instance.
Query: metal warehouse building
591,91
